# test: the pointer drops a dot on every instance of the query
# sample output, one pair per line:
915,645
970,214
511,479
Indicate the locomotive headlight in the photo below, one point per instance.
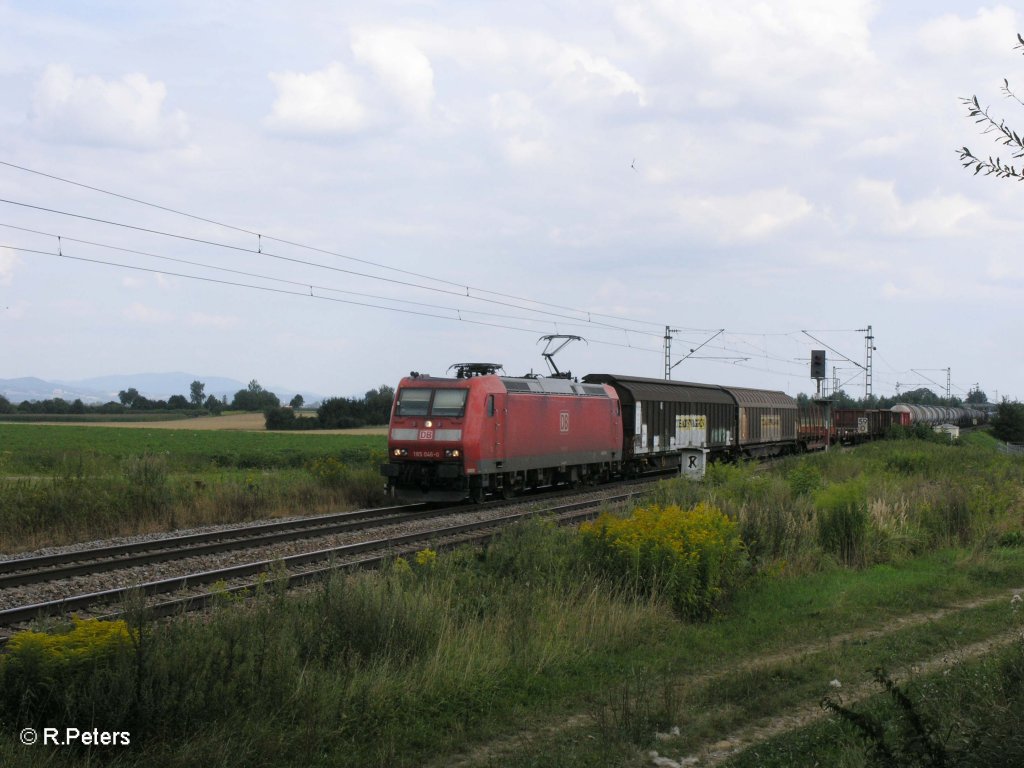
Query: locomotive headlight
400,452
452,453
428,424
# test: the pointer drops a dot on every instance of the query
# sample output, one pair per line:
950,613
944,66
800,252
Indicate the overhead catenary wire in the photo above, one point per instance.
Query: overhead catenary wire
302,293
262,236
303,283
293,260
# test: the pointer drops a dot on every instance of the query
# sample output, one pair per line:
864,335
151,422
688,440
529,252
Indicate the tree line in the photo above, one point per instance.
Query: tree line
921,396
253,398
338,412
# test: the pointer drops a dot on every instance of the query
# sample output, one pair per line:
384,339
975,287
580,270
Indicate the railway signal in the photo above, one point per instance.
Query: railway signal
818,364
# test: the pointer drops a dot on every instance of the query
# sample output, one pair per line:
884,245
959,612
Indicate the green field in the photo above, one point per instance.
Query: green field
33,448
61,484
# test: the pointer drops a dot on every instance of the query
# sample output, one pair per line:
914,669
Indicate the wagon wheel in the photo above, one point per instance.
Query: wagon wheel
506,491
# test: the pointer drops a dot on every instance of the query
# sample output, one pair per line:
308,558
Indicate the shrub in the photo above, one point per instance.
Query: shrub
329,471
147,493
78,675
1008,423
362,487
803,479
691,557
285,418
843,520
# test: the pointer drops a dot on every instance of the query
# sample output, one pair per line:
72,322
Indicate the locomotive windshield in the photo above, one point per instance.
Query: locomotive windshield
435,402
414,402
449,402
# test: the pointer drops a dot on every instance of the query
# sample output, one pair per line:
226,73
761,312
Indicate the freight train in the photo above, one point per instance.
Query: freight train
480,433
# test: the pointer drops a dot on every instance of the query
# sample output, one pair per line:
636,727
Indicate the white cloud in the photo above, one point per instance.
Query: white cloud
140,313
126,113
933,216
322,102
989,33
8,261
749,216
756,42
1005,268
716,99
217,322
892,291
401,67
521,128
850,261
882,146
581,76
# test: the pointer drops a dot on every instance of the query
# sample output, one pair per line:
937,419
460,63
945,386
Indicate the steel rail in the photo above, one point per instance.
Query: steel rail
17,564
69,604
18,572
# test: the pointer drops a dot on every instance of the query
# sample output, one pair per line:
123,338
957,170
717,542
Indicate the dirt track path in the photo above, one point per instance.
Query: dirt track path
805,714
717,752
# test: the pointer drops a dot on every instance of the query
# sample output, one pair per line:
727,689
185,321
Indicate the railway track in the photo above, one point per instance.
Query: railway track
41,568
193,587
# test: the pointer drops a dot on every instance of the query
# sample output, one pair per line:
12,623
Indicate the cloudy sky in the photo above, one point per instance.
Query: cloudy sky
374,188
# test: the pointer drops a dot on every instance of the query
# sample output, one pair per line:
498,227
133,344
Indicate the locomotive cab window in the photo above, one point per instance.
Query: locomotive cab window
449,402
414,402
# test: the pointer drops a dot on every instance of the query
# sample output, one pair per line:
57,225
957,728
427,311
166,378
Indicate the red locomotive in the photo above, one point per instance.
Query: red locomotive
477,433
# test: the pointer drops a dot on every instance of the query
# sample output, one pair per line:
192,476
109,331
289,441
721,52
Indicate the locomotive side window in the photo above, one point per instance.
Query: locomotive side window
490,405
413,402
449,402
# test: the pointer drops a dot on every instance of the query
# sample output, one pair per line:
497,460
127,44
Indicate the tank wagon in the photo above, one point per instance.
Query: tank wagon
936,415
457,438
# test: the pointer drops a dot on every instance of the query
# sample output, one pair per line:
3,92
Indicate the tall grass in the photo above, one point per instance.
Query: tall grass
29,449
878,504
386,665
80,501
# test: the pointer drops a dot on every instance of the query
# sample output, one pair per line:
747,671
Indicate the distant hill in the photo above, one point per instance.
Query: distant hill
155,386
31,388
160,386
